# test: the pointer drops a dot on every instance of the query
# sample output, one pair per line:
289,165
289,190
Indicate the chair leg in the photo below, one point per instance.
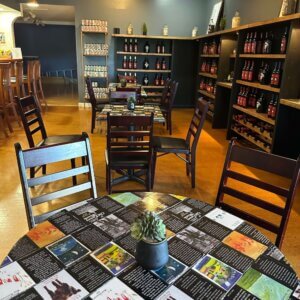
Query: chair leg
193,171
44,169
93,120
73,165
187,165
108,178
153,168
32,172
2,126
170,123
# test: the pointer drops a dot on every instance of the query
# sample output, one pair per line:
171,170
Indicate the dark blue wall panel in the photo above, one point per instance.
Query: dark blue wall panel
54,44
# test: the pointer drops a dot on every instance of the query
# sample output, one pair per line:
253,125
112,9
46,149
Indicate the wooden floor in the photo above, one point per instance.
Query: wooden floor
170,176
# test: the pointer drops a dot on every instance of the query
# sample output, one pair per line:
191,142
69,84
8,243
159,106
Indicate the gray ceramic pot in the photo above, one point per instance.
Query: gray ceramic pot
152,256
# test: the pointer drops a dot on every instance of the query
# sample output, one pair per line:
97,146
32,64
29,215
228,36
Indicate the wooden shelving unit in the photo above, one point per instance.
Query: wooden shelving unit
259,86
208,75
294,103
263,56
205,93
227,85
252,112
210,55
155,37
143,71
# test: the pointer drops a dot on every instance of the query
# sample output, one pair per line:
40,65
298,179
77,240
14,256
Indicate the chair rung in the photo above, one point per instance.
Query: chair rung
61,193
32,121
36,130
255,182
250,218
30,112
57,176
253,200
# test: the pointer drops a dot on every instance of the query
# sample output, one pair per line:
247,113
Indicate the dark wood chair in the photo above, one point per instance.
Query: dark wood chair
54,187
129,152
167,104
178,146
97,105
270,163
29,111
120,97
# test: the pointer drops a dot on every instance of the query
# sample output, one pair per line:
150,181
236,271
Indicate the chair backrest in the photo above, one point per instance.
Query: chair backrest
196,124
92,98
5,80
135,142
19,72
120,97
32,120
270,163
54,186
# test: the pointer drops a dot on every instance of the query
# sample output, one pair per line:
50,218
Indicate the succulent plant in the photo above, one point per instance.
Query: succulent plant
144,29
148,227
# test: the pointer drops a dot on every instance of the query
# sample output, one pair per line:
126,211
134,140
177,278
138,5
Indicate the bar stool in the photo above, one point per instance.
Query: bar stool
38,82
17,80
7,103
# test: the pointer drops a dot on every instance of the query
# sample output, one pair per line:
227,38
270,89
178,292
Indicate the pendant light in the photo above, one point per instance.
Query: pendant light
32,3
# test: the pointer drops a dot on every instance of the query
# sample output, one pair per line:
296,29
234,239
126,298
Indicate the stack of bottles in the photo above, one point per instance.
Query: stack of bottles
95,71
95,49
94,26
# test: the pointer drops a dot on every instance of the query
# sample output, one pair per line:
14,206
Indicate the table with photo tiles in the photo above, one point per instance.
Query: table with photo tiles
87,252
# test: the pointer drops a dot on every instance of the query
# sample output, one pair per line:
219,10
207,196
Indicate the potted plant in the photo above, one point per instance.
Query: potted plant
123,82
144,29
131,103
152,247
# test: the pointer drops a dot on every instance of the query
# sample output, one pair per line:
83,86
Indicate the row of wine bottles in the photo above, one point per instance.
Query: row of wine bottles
211,48
252,135
133,46
208,85
209,66
265,75
132,63
262,103
259,125
263,43
159,79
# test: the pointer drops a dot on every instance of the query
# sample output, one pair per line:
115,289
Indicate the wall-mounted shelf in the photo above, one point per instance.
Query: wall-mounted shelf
205,93
259,86
214,76
252,112
143,53
210,55
294,103
263,56
144,71
227,85
157,37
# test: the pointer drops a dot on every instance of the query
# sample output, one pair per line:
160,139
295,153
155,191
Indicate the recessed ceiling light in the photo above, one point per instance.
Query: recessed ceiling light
33,3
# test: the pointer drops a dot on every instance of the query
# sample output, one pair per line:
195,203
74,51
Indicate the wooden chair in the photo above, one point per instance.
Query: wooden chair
57,180
129,150
120,97
97,105
167,105
38,82
2,122
7,105
17,80
273,164
35,130
179,146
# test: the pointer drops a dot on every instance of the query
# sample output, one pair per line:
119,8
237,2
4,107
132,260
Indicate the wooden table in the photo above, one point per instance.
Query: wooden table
140,110
89,251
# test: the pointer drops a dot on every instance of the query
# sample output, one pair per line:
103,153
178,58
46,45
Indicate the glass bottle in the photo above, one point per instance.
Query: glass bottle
147,47
125,46
146,64
283,42
135,46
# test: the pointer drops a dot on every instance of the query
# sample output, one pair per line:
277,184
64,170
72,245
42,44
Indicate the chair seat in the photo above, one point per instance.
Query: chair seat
122,161
169,144
59,139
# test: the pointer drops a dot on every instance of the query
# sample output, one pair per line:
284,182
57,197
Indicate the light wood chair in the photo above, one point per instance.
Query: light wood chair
17,80
270,163
37,191
7,104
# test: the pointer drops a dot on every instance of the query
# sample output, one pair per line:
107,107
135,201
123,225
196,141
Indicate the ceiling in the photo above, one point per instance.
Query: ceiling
4,8
50,13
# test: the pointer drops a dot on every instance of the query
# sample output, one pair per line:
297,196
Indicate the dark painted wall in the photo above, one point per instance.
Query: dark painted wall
54,44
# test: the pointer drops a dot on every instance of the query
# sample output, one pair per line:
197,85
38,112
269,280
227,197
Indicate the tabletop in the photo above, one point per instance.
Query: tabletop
140,110
88,253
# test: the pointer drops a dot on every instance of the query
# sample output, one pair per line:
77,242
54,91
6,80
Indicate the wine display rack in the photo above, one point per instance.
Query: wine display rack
233,56
154,76
94,40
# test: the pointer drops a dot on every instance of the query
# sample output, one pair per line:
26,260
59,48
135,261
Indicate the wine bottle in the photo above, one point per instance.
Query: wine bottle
130,46
147,47
260,103
246,43
156,80
146,64
163,48
260,44
254,44
283,42
248,49
158,48
274,108
203,66
162,80
130,63
270,106
135,47
145,79
130,77
273,75
134,63
163,64
125,46
267,45
135,79
277,76
244,70
251,72
124,63
157,64
205,49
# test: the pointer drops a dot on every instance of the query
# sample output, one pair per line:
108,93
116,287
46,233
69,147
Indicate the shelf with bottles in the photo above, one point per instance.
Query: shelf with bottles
210,55
207,94
225,84
143,53
208,87
144,70
258,86
214,76
251,136
265,130
263,56
95,71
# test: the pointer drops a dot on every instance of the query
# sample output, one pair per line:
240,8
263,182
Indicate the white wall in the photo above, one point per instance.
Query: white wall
6,27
